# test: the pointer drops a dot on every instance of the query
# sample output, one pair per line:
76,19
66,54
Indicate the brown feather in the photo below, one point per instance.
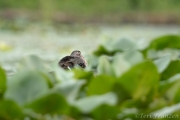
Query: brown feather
74,59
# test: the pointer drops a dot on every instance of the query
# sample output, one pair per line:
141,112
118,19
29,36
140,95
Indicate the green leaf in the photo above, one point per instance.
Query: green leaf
104,66
82,74
75,113
162,63
122,62
109,47
26,86
170,87
171,93
63,75
69,89
168,41
49,78
88,104
155,54
140,80
123,44
92,61
172,69
33,62
165,85
120,65
133,57
126,113
102,50
2,82
105,112
49,104
121,93
95,83
176,98
169,110
9,110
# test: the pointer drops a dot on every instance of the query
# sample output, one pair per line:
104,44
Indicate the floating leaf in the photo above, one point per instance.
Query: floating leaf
120,65
88,104
9,110
140,80
101,50
33,62
133,56
2,82
155,54
49,104
171,93
123,44
172,69
69,89
168,41
63,75
82,74
110,47
122,62
128,113
167,111
167,84
95,85
26,86
176,98
162,63
105,112
92,61
104,66
49,78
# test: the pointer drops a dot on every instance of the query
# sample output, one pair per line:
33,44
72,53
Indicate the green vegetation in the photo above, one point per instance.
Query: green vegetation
92,6
123,80
64,10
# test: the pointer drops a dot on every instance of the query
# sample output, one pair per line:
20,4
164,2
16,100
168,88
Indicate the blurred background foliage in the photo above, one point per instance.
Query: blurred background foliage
166,11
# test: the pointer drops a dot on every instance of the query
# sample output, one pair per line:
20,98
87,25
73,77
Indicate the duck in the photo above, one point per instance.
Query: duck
75,58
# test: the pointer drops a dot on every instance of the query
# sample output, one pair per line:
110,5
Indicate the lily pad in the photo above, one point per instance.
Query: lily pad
104,66
95,86
49,104
2,82
88,104
168,41
26,86
140,80
9,110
